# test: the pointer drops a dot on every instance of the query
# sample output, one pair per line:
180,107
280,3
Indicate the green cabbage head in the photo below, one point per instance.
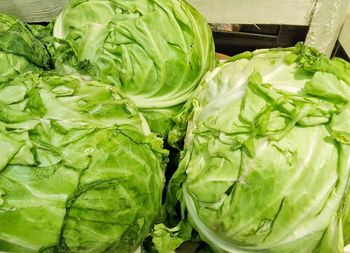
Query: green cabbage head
266,160
79,171
157,51
20,51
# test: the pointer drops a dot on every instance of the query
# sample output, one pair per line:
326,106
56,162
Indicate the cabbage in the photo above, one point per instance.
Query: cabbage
20,51
156,51
79,171
266,159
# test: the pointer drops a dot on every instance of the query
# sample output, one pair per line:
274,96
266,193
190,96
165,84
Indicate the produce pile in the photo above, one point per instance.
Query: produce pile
120,132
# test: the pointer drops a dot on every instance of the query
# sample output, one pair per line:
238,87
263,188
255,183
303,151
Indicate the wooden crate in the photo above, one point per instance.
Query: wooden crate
325,17
344,37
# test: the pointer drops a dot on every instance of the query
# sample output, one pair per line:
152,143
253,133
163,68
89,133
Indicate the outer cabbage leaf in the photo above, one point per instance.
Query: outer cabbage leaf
156,51
20,50
79,171
266,163
168,240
